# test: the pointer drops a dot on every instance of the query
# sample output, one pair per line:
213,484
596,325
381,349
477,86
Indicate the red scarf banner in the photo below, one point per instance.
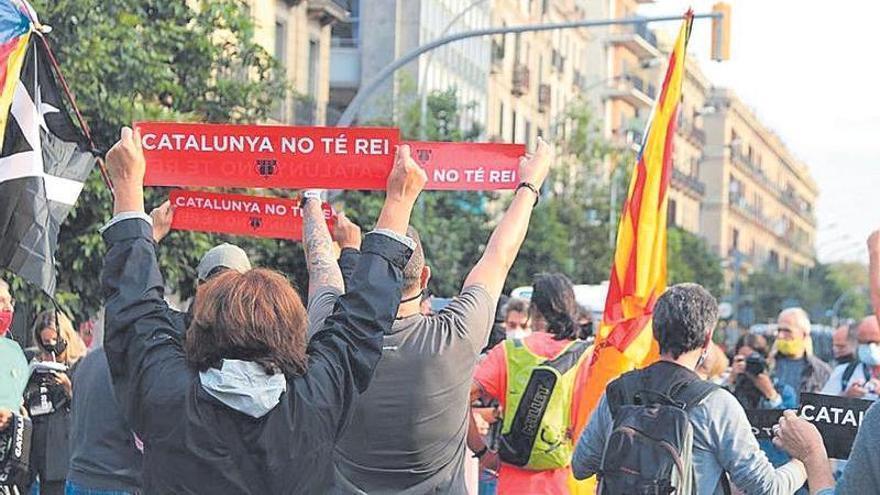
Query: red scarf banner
351,158
238,214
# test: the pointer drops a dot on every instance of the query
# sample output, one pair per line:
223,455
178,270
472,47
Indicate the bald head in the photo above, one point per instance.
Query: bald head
869,330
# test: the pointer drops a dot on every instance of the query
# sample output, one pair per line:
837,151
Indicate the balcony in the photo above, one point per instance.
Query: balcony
345,64
497,56
544,96
520,80
327,12
692,133
638,39
631,89
688,183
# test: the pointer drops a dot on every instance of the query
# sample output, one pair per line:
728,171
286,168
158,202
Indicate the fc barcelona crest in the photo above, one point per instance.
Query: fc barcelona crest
256,223
267,167
423,156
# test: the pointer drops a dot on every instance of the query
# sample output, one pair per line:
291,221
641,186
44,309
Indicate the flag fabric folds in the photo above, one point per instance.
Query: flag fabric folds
638,273
44,157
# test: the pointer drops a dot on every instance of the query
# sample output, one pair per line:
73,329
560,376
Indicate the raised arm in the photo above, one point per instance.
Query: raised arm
491,271
138,329
874,270
345,352
348,235
323,270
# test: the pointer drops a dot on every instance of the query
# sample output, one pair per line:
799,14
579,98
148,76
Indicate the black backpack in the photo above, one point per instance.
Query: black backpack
650,447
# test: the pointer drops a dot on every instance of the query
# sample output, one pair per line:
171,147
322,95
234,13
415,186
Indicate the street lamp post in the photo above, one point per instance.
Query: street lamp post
423,108
373,84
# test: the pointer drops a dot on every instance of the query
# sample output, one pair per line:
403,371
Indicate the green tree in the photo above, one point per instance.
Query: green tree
149,59
691,260
827,291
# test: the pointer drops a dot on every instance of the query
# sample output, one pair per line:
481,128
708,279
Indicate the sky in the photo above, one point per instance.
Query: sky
810,71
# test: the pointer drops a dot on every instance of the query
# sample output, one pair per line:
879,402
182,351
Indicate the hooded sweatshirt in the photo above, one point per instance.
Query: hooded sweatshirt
237,429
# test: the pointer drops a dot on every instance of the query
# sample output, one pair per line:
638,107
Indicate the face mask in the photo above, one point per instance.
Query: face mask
5,321
869,354
790,348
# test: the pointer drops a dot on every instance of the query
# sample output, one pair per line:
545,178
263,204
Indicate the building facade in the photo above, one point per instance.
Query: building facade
759,209
297,34
381,31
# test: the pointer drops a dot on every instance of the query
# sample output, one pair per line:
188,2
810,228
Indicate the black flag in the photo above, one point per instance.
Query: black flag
45,160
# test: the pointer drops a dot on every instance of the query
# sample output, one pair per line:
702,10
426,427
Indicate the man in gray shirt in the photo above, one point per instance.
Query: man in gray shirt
409,428
684,318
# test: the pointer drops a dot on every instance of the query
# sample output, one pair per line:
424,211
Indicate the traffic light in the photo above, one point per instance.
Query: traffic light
721,32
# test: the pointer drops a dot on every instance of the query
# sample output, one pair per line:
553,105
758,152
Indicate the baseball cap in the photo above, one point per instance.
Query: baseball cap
224,255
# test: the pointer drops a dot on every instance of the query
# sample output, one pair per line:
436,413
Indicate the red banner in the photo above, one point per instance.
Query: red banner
255,216
469,166
220,155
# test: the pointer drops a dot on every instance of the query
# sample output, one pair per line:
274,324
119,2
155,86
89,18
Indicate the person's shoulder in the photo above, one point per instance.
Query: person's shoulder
816,362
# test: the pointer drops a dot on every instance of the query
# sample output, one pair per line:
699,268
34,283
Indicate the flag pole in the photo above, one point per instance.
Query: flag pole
56,68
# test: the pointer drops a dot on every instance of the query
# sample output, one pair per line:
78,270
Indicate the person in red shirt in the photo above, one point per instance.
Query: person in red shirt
552,315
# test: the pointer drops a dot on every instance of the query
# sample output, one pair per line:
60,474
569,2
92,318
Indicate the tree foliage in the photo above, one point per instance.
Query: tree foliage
827,292
691,260
149,59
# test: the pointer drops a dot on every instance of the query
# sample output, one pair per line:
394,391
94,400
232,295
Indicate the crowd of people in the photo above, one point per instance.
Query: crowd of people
363,388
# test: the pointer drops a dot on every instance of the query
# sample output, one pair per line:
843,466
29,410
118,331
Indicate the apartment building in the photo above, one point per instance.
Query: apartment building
535,76
759,208
297,34
381,31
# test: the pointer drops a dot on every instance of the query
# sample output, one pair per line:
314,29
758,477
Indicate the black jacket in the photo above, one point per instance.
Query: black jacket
193,443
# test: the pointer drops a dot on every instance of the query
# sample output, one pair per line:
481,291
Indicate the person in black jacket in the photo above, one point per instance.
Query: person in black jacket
246,407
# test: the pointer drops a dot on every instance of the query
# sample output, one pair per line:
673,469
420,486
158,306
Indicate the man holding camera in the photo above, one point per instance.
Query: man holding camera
752,383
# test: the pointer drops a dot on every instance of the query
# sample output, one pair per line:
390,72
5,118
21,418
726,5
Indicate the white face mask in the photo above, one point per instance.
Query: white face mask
870,354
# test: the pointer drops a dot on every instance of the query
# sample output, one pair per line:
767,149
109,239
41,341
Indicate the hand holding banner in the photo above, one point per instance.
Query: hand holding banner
275,218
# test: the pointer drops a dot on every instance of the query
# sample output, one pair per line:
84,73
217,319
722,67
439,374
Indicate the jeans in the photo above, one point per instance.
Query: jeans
488,483
74,489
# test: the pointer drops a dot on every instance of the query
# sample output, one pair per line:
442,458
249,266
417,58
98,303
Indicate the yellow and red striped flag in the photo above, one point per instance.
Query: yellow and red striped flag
638,274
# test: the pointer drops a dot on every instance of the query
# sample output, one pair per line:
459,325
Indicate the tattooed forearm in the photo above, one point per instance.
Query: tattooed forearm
323,269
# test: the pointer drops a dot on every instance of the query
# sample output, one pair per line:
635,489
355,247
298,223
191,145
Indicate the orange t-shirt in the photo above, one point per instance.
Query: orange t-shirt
491,374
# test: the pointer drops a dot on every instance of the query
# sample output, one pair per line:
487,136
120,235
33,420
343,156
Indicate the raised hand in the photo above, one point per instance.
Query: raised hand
874,243
162,217
126,166
534,169
346,233
405,183
407,178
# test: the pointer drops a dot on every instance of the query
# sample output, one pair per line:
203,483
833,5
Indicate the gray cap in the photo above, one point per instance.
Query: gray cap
225,255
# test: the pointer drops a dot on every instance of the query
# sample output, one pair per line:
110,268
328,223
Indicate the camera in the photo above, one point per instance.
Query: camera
15,452
756,364
43,395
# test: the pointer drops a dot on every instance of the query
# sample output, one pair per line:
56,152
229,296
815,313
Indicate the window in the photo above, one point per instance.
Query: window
513,128
670,213
735,240
501,120
281,40
528,131
314,64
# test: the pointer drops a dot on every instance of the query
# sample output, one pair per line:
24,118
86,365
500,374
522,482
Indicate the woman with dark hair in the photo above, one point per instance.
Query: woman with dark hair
554,309
47,398
248,405
504,376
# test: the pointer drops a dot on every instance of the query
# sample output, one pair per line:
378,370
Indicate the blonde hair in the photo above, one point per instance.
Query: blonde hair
62,325
715,364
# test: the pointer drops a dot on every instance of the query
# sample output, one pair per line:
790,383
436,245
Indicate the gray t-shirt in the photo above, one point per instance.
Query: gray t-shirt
409,428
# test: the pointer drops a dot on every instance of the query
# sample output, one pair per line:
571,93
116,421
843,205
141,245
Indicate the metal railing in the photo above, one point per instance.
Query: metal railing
689,181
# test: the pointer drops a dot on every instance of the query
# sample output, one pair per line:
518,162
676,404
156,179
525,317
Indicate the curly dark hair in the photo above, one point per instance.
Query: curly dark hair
553,298
683,317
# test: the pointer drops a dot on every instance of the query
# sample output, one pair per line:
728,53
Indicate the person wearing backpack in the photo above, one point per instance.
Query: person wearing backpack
536,381
664,430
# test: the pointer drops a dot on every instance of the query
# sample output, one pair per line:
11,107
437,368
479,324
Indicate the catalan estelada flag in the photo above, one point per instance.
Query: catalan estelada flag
638,273
44,157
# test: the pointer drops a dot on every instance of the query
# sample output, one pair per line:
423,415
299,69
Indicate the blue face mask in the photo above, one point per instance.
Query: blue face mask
870,354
